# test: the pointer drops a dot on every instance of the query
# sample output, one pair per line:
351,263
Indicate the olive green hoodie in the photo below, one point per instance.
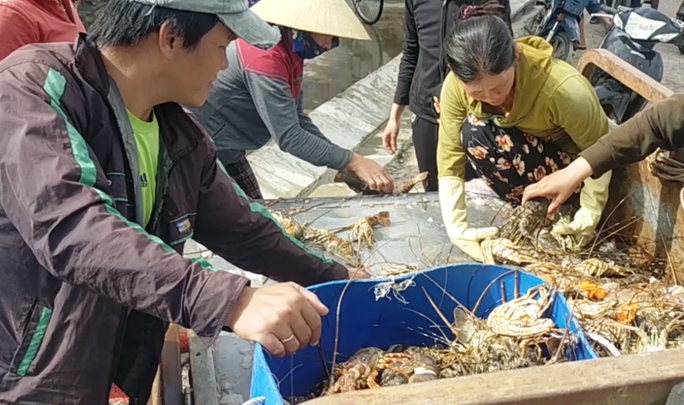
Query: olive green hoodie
552,101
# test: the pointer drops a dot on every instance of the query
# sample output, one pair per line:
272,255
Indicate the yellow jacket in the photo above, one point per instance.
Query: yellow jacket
552,101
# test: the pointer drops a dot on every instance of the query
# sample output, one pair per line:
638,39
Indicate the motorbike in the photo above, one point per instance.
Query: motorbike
632,38
558,23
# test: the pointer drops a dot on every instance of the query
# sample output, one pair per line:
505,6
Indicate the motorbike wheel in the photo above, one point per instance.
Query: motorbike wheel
681,49
561,44
532,27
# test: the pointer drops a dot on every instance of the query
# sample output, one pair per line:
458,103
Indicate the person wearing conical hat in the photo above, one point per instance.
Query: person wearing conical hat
259,96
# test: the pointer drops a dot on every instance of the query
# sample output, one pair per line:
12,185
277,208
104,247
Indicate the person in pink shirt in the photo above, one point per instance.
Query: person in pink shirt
24,22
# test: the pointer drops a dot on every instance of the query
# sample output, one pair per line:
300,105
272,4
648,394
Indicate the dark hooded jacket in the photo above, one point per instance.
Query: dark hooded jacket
423,65
86,292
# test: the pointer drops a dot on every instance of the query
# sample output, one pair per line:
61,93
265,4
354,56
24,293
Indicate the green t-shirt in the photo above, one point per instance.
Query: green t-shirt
147,142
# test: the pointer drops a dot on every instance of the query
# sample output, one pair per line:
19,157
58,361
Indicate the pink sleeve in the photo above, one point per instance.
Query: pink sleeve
15,31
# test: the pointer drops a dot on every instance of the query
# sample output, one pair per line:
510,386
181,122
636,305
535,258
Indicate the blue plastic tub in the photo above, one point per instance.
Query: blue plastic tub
366,322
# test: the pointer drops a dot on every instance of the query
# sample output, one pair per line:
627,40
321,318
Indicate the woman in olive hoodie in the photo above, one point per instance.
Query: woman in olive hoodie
421,73
514,114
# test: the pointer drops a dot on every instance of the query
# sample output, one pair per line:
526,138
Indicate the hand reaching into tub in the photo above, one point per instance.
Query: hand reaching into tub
284,317
559,186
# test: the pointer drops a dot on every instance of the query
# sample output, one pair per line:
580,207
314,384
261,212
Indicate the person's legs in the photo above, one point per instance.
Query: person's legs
680,13
425,135
655,4
508,159
242,173
583,41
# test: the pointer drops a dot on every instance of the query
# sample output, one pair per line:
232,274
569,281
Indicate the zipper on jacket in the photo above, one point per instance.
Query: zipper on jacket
163,176
163,186
32,339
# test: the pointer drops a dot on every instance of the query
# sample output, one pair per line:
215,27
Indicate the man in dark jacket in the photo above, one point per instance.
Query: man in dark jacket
422,71
103,177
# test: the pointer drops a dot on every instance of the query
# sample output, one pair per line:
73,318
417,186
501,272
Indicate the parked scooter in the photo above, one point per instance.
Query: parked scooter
559,24
632,38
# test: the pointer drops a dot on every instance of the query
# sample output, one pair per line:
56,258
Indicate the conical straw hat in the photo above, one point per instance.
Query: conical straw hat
328,17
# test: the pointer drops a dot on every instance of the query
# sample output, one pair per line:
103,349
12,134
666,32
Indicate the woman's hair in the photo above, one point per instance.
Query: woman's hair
480,43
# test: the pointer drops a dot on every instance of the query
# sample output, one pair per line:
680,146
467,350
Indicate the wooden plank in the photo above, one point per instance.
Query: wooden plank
624,72
644,379
171,368
204,386
634,191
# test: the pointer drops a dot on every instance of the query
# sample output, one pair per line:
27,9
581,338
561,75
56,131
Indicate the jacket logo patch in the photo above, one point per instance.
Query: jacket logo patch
183,226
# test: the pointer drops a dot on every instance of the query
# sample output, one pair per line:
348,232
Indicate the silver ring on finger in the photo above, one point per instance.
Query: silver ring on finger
288,339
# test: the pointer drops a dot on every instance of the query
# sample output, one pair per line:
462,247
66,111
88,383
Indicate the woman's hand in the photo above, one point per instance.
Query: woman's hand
391,133
389,137
371,173
560,185
469,241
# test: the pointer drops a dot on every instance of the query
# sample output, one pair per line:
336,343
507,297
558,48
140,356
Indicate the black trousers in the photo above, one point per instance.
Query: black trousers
425,138
425,135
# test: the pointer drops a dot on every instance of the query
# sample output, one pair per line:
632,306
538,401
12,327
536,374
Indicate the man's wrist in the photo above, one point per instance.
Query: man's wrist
240,304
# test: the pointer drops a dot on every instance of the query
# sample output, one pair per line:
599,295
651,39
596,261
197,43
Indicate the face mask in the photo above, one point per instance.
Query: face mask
304,45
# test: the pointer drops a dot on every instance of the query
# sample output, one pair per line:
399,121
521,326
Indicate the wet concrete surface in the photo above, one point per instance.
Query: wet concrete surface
334,71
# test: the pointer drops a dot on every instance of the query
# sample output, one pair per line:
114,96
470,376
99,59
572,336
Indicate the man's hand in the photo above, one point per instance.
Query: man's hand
283,317
371,173
358,274
559,186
